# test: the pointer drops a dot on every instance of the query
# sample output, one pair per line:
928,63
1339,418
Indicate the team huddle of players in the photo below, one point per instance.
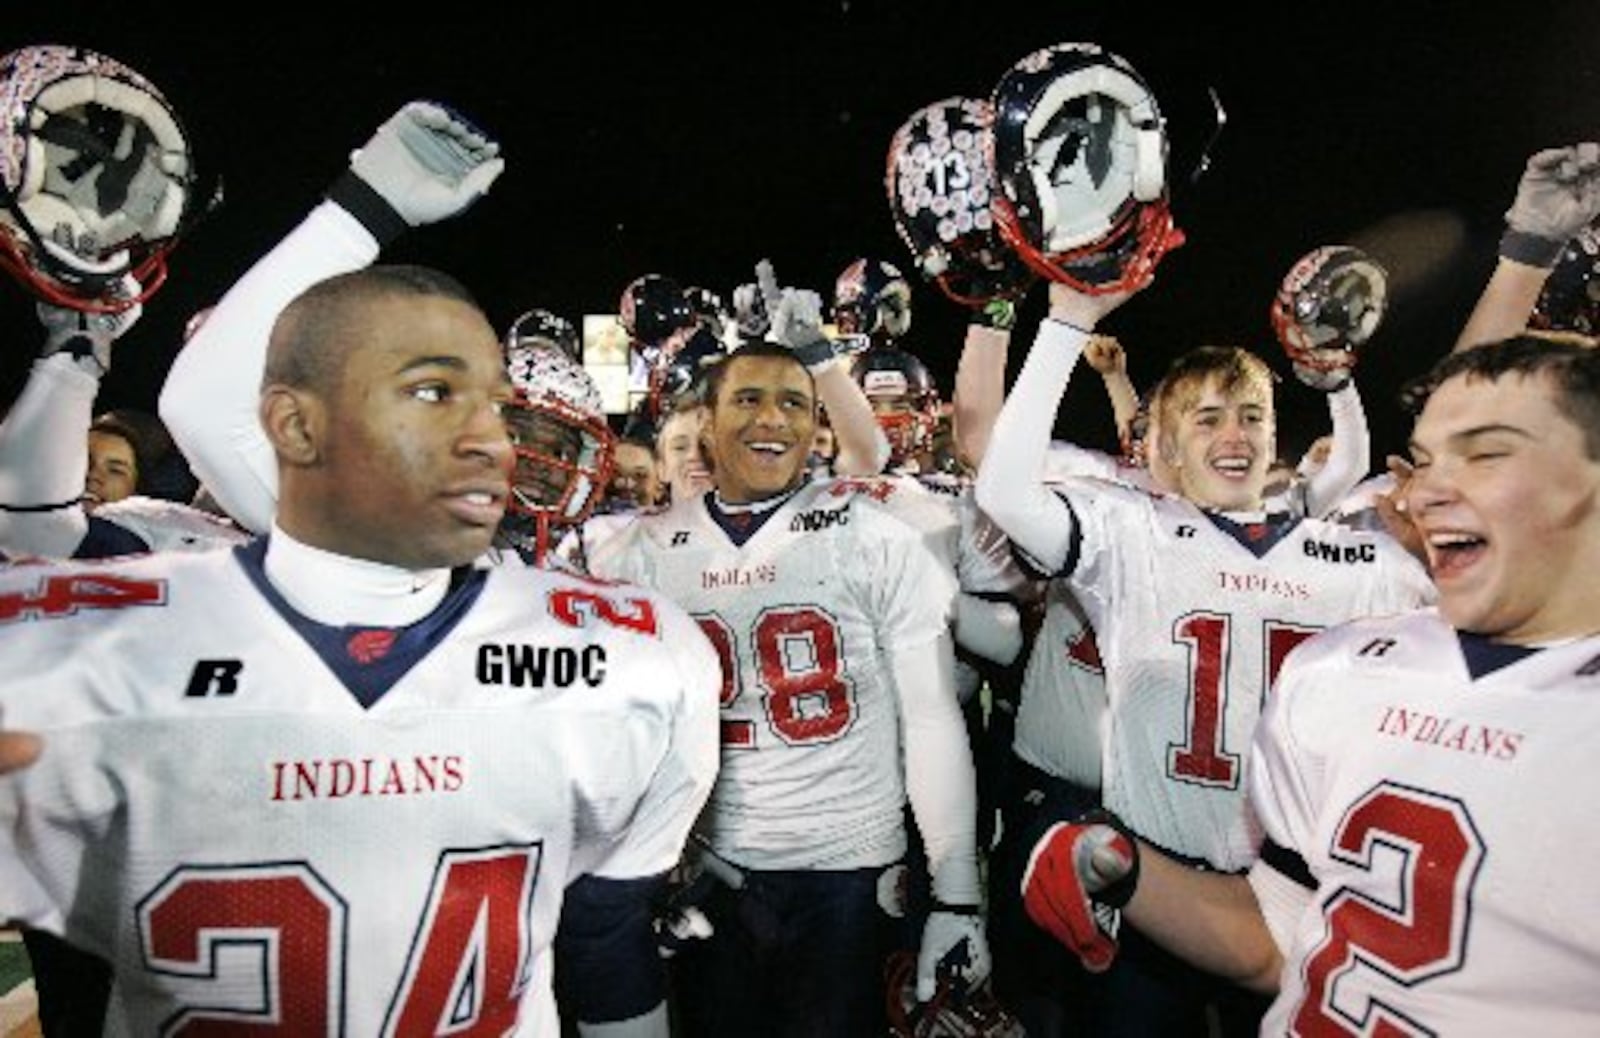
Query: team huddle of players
972,733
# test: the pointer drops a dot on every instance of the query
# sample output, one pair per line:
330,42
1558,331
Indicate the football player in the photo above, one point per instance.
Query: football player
543,743
1414,773
1194,599
68,482
425,163
98,182
838,705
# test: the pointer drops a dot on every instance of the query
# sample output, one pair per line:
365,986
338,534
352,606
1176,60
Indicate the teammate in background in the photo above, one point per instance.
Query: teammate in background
635,476
792,317
832,620
1194,598
349,678
92,208
1412,771
69,482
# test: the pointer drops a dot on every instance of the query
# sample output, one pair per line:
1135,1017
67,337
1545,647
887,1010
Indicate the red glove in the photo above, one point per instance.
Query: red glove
1078,876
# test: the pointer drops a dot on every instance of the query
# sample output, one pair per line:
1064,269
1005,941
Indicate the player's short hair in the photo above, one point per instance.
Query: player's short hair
1236,369
716,374
1572,366
314,333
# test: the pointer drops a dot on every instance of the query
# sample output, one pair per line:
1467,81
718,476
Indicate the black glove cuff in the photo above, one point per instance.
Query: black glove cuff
1119,893
356,197
816,353
940,906
1532,249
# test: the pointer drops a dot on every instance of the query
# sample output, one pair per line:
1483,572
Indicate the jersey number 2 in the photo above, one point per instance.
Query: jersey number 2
1406,927
464,975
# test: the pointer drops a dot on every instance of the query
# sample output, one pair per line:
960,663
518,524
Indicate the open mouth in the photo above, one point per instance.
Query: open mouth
768,452
1231,468
1453,552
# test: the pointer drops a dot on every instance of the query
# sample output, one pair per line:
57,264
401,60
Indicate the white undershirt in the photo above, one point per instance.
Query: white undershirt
340,591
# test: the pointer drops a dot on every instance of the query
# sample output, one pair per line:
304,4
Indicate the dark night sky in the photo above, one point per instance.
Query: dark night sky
693,144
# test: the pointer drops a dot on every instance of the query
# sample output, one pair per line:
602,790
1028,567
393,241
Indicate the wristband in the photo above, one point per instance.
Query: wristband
358,198
1534,250
940,906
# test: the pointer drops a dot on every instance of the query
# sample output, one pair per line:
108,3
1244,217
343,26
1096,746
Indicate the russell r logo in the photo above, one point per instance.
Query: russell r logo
214,678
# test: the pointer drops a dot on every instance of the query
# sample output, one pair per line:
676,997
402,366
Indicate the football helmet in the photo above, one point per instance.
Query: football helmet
872,299
1327,307
97,177
1080,155
903,396
541,327
562,441
949,1014
1570,299
941,190
652,308
676,378
709,309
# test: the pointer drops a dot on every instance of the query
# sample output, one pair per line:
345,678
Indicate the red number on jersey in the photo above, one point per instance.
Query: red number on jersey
734,732
465,973
65,595
1411,929
797,665
1201,758
292,925
574,607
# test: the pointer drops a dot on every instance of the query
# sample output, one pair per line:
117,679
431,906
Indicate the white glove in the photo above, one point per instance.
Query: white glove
427,162
953,944
797,325
750,311
1558,195
88,336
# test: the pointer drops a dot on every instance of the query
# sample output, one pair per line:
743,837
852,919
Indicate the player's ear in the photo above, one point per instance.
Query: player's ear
293,425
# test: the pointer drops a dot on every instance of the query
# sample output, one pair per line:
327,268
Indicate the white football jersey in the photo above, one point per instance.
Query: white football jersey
1449,827
1062,710
803,614
1191,622
366,831
170,525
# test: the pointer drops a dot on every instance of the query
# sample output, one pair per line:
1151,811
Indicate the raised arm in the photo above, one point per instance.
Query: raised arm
425,164
1350,457
1558,195
796,321
980,384
44,440
1010,487
1107,357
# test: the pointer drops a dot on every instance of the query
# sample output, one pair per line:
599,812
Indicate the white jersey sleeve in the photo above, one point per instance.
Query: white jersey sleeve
1348,461
210,397
1437,816
44,459
1010,487
339,830
170,525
